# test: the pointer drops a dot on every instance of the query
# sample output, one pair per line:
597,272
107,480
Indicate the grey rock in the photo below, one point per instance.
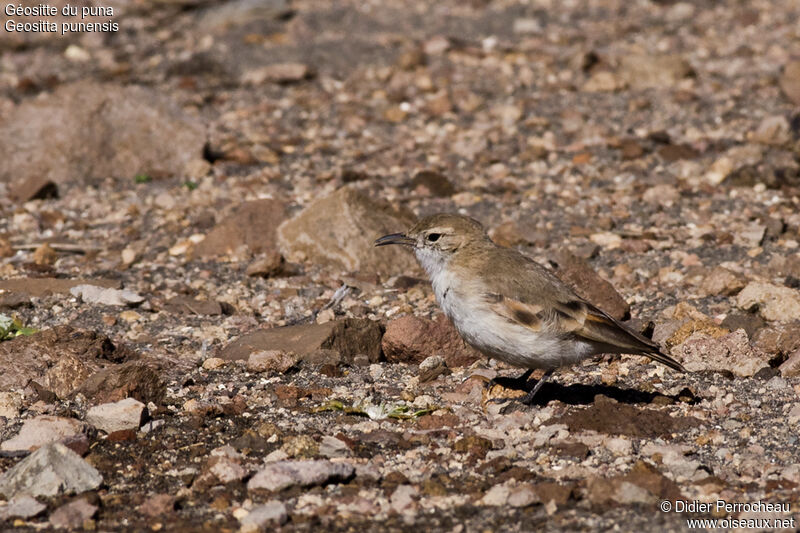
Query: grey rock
93,294
21,507
272,512
117,416
50,470
42,430
332,447
284,474
774,302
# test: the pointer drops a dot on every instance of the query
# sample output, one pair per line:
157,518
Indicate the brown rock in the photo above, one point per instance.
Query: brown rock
278,73
642,71
339,230
106,130
270,265
157,505
271,361
779,339
676,152
134,379
34,188
576,273
435,183
190,306
38,287
607,416
790,81
412,339
722,281
791,367
73,515
252,224
349,336
643,484
44,255
58,359
687,329
749,322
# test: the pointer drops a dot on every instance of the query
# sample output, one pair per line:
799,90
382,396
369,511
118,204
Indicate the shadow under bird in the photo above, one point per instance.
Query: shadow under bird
511,308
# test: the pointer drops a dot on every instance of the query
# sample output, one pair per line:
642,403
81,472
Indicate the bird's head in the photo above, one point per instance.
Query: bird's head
436,238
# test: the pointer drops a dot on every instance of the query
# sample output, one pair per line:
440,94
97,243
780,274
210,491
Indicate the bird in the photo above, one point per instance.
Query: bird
511,308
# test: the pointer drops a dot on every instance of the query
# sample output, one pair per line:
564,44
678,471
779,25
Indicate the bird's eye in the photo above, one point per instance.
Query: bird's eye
433,237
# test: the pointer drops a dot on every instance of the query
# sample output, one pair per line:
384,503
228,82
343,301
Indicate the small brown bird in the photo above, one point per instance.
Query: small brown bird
510,307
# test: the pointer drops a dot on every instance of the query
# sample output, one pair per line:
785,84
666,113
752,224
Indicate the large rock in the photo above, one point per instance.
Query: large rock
350,337
52,469
134,379
412,339
284,474
339,230
105,130
252,224
774,302
731,352
58,360
576,273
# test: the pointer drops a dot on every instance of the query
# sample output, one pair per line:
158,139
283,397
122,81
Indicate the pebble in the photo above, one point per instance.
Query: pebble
774,302
73,515
93,294
259,518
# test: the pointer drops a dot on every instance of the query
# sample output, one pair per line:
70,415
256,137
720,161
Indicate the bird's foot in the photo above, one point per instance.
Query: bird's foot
528,398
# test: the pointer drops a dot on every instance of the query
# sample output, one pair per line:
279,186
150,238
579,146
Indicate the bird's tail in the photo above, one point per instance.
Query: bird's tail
664,359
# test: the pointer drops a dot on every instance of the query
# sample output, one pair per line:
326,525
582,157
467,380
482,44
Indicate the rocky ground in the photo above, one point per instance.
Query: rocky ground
199,334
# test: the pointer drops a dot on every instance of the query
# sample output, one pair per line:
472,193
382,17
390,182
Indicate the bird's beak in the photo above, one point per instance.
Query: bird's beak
395,238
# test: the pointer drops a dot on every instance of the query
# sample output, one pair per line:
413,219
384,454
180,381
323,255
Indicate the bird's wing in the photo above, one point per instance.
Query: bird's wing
542,302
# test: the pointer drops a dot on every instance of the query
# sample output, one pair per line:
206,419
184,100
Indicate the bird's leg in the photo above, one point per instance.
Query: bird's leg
528,399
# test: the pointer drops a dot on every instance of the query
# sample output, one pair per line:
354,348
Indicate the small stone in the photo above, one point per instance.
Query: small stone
272,361
790,81
774,302
99,295
42,430
44,255
642,71
332,447
749,322
52,469
523,495
268,266
721,281
213,363
434,183
260,518
73,515
124,414
277,73
284,474
403,498
791,367
128,256
10,404
157,505
774,130
21,507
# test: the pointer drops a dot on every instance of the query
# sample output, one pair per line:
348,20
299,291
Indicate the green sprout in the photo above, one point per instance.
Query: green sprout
142,178
12,327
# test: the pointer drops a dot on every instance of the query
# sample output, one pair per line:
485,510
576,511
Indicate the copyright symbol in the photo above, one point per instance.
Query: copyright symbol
666,506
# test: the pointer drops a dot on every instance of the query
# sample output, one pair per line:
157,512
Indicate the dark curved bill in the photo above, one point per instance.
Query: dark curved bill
395,238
